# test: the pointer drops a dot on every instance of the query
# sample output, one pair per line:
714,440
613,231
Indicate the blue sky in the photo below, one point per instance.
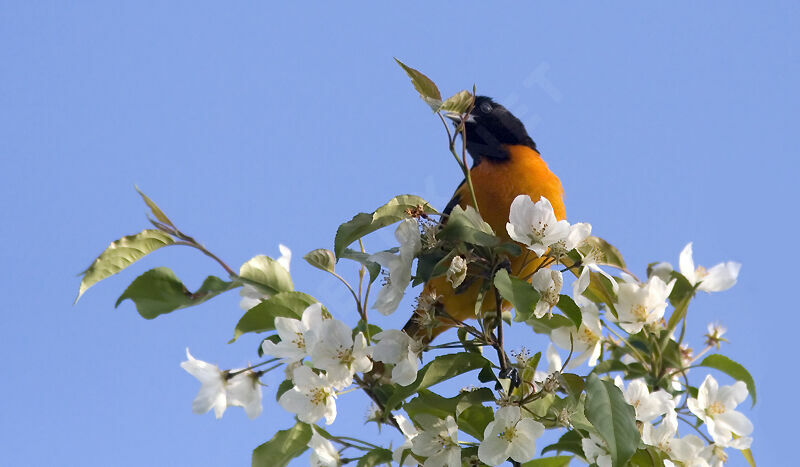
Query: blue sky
254,125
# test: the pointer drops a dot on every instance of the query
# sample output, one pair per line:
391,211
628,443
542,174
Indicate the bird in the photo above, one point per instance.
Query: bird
505,163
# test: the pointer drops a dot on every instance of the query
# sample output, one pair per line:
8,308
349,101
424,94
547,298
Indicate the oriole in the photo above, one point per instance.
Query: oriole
505,164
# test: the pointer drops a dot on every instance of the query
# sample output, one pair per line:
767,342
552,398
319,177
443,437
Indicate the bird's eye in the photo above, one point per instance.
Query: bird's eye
486,108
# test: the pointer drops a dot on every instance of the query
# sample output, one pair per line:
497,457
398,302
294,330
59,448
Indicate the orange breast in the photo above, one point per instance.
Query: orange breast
496,185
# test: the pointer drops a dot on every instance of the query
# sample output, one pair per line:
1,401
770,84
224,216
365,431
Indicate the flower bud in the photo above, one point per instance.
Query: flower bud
457,271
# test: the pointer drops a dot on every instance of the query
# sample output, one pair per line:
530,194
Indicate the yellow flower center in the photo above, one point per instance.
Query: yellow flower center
715,409
508,434
319,396
640,312
586,335
299,341
345,356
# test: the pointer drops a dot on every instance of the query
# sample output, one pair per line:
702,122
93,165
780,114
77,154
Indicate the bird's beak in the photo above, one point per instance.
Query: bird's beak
456,117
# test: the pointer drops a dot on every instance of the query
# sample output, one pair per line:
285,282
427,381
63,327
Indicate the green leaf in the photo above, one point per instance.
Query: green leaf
283,447
261,317
458,103
467,226
157,212
573,383
159,291
556,461
520,293
649,457
285,385
732,369
439,369
545,325
375,457
465,408
473,420
613,418
373,268
571,309
425,87
122,253
321,258
362,224
569,442
266,274
602,252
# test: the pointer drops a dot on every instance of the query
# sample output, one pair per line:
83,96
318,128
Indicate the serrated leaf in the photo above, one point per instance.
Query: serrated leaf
439,369
458,103
375,457
362,224
520,293
266,274
321,258
466,225
157,212
425,86
159,291
571,309
602,252
283,447
555,461
122,253
261,317
732,369
613,418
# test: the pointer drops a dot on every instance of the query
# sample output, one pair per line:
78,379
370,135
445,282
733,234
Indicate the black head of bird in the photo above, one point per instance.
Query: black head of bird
490,129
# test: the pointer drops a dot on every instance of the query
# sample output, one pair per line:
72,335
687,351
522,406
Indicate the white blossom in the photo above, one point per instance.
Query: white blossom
596,451
586,340
409,432
548,283
218,391
399,266
663,435
535,224
311,398
715,406
438,441
720,277
639,305
509,435
689,451
648,406
457,271
589,265
338,353
251,296
401,350
294,344
323,454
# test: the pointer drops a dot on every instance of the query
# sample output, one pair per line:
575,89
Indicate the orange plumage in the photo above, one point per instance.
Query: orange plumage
501,172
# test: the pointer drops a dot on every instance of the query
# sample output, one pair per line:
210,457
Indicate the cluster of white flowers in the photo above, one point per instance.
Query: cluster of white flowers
331,347
322,355
638,306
